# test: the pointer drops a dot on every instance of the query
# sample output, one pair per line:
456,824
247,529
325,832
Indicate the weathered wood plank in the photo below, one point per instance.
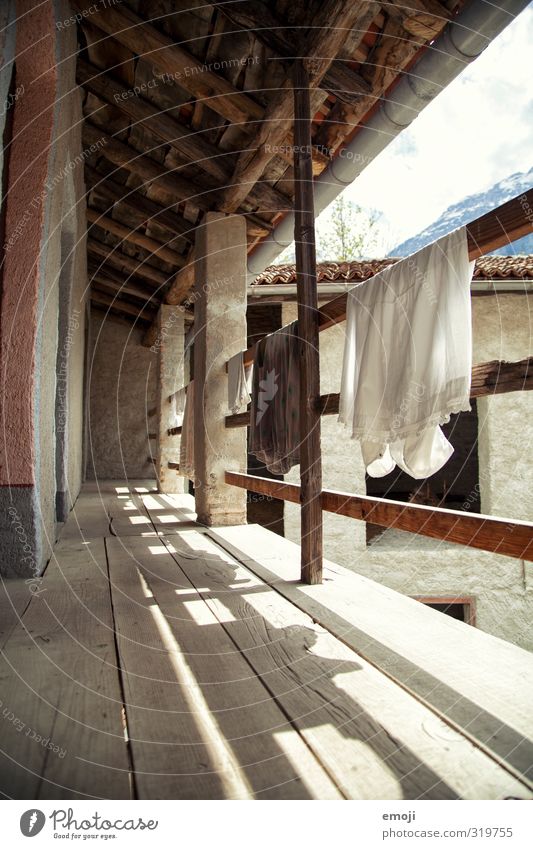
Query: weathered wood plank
110,254
488,533
375,740
146,41
213,732
461,672
59,679
136,237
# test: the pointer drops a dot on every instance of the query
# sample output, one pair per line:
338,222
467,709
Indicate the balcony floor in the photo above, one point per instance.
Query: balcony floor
157,658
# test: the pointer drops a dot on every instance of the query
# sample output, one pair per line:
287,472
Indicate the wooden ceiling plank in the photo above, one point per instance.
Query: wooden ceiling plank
189,145
154,46
321,46
109,253
134,236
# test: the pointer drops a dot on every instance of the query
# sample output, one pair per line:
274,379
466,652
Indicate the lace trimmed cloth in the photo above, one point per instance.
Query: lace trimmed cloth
408,358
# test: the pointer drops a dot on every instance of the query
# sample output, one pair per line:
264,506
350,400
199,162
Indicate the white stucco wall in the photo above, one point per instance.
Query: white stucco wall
501,587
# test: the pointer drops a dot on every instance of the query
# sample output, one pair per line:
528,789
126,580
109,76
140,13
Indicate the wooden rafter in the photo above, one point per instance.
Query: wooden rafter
160,50
135,237
256,16
321,46
106,300
108,253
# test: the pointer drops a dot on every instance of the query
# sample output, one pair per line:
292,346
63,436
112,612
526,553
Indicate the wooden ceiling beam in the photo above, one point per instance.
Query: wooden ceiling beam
109,253
198,195
139,203
135,237
257,17
125,307
161,50
322,44
191,146
103,279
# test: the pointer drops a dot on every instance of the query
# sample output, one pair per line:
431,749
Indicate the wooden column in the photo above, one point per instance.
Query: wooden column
304,234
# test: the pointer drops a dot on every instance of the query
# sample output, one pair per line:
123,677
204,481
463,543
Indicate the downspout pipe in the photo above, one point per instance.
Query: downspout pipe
462,41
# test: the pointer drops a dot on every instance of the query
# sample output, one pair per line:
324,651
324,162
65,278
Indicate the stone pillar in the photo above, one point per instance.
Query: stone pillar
220,332
170,377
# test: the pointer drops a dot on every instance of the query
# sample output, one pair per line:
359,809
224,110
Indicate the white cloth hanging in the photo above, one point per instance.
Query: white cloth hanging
239,383
187,435
178,407
408,358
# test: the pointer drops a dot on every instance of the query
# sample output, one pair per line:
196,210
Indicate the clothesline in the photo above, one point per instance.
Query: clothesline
495,229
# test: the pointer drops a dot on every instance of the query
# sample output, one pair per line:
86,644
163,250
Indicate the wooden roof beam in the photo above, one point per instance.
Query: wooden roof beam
125,307
257,17
200,196
109,253
103,279
320,47
139,203
134,236
162,51
191,146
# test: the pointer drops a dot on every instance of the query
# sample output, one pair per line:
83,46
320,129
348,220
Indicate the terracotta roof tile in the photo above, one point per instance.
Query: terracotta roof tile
487,268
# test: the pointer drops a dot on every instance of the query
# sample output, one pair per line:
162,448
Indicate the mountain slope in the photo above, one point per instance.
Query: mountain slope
470,208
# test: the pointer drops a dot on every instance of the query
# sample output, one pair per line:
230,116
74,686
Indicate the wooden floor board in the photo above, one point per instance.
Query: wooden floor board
201,724
59,679
373,737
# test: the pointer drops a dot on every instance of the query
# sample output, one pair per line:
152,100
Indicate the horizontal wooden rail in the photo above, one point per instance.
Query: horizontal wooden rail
495,229
502,536
492,378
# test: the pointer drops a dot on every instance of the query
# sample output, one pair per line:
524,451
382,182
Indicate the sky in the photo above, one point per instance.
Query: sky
478,131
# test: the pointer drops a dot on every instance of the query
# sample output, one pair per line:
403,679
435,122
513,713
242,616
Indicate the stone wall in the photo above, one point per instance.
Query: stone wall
122,388
501,588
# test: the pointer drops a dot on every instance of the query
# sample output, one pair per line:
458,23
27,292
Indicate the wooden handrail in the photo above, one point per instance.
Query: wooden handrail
492,378
502,536
493,230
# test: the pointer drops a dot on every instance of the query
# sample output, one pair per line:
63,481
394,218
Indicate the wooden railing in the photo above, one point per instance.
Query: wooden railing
492,378
501,536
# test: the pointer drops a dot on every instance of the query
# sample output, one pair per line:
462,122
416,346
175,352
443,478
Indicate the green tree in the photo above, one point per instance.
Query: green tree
347,232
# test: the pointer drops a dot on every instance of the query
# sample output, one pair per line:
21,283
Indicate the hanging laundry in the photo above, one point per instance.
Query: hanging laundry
408,358
275,414
177,407
239,383
187,435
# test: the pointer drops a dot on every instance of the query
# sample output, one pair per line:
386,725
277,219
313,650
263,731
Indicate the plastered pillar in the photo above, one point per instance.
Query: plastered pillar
170,378
220,332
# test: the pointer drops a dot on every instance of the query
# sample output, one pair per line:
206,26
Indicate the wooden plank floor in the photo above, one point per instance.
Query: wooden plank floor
160,659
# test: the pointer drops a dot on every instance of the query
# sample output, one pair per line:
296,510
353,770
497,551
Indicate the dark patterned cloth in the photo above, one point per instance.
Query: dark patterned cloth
275,414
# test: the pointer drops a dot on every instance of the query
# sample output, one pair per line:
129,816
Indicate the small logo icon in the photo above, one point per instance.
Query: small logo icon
32,822
267,392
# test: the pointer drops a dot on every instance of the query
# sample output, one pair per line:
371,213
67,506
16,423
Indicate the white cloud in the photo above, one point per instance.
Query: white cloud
475,133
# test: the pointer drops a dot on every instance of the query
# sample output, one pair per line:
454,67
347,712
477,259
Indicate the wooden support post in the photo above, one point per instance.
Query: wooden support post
306,279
